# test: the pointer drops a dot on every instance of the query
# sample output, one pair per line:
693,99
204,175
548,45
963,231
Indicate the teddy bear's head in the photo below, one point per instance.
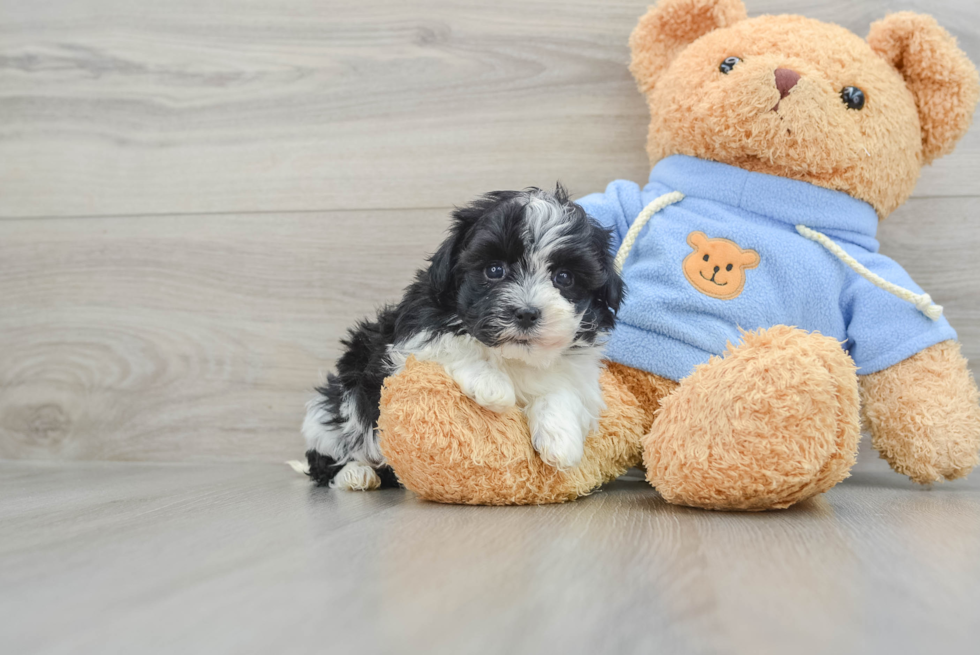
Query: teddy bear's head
799,98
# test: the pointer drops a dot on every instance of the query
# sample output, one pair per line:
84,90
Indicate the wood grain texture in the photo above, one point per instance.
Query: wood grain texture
185,337
117,108
933,239
140,558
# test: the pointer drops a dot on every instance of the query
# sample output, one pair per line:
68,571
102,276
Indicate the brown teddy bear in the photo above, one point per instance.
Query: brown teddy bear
780,142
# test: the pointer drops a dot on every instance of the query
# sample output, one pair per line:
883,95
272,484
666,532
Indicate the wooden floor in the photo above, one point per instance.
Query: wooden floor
248,558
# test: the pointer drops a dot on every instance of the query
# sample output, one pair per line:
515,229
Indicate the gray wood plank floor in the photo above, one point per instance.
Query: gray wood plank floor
188,558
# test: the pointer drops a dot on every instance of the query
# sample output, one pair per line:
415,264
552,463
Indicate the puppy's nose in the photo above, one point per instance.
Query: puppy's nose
527,316
786,79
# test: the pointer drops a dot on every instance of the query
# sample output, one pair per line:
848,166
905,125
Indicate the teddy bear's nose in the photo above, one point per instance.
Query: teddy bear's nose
786,79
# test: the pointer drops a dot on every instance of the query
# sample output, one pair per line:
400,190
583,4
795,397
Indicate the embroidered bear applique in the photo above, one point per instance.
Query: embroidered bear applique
717,267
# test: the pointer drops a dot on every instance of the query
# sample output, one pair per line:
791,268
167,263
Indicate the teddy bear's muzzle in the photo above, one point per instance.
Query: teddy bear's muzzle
786,79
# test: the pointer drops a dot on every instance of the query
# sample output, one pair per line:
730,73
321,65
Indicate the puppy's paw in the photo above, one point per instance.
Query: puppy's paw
491,389
356,476
556,433
559,446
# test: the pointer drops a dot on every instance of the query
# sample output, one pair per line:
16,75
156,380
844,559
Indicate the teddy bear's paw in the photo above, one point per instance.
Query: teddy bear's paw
930,452
927,453
490,388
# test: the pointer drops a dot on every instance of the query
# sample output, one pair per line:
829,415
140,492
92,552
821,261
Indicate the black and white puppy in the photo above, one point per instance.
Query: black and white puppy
514,304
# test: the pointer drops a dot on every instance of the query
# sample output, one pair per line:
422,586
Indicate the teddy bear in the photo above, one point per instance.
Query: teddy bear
761,328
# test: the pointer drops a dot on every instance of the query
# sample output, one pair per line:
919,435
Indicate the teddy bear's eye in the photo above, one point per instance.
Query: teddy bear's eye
727,65
853,97
728,268
705,258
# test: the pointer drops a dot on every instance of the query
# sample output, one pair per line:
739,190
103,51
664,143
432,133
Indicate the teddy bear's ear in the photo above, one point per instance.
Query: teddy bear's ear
941,78
749,259
697,240
669,26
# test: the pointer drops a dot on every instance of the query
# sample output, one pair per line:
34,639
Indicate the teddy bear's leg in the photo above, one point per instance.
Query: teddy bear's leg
647,388
445,447
923,414
772,422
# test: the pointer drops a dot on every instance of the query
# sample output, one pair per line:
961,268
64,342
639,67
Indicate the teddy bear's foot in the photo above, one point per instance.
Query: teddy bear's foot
445,447
773,422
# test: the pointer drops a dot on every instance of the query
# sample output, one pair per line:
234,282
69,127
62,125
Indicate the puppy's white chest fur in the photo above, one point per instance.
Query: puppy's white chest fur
558,390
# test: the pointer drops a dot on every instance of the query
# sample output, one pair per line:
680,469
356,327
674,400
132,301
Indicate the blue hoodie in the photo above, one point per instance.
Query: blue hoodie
728,256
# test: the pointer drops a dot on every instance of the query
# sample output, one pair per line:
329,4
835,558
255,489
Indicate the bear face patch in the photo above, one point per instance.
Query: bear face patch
717,267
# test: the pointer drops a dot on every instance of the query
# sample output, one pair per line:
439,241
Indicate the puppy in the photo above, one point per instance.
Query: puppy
514,304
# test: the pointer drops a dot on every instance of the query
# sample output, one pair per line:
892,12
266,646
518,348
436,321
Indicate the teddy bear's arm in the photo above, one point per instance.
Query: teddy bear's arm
923,414
446,448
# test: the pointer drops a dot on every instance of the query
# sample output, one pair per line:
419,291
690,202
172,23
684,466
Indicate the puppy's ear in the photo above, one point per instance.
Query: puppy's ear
561,193
941,78
669,27
442,264
613,290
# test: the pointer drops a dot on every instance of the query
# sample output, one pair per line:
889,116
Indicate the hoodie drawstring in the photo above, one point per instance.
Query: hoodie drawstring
642,219
922,301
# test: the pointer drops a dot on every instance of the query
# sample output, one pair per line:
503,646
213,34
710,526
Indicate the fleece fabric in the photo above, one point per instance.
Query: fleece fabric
728,258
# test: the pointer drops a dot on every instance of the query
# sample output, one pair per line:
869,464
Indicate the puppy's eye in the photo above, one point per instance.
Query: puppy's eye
728,268
727,65
563,279
495,271
853,97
